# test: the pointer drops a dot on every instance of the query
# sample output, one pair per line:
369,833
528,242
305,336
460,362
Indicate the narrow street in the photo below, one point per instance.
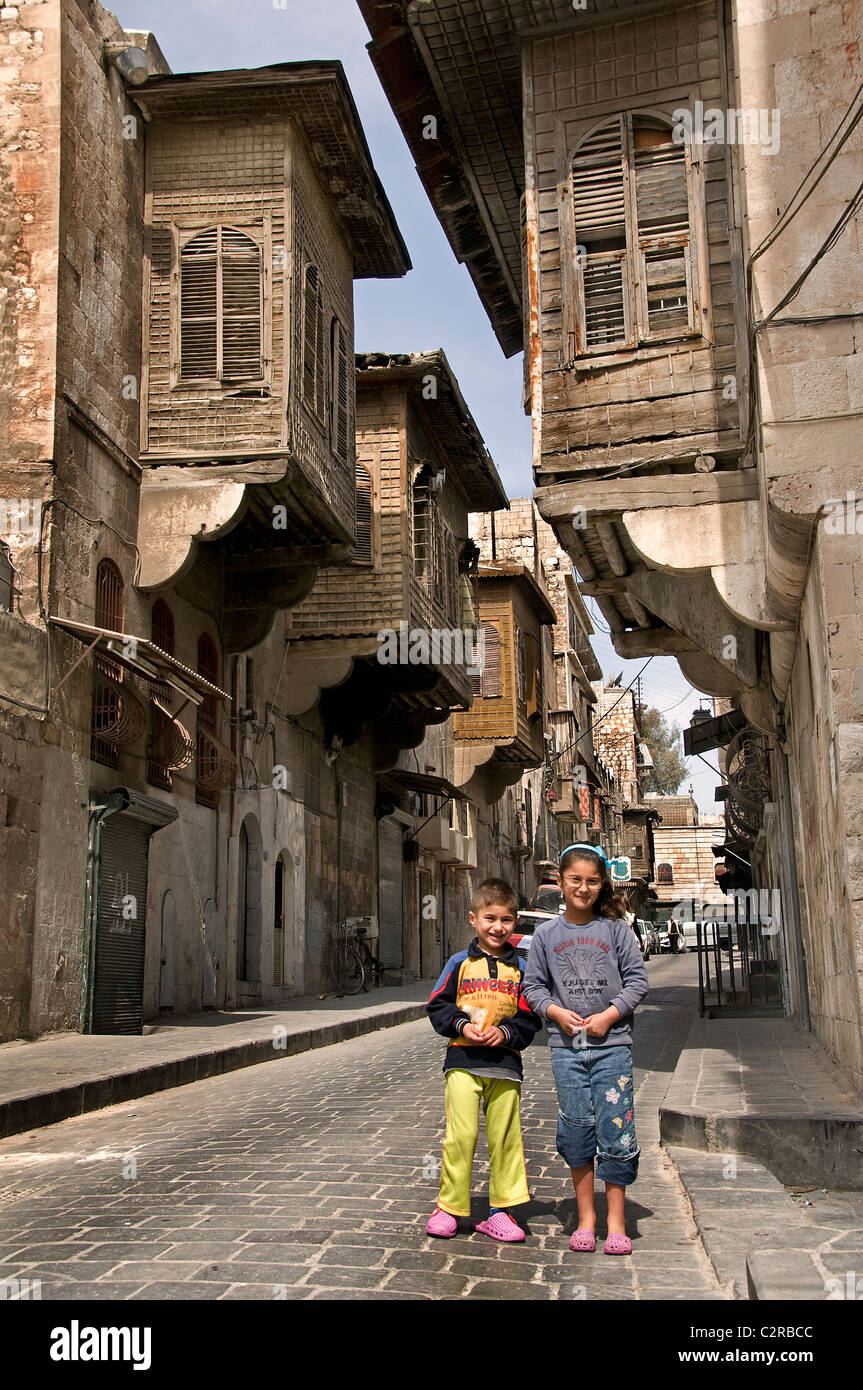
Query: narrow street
313,1178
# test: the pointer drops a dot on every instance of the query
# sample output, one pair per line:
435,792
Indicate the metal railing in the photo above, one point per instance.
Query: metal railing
738,963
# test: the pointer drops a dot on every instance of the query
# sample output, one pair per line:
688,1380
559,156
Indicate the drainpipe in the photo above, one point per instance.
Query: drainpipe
101,805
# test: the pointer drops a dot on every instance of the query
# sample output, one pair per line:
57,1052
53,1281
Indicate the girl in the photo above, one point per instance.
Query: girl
585,977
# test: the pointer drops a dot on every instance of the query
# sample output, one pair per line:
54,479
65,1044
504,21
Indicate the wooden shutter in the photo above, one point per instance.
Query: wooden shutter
241,306
199,307
340,414
364,514
221,309
532,674
451,603
599,207
313,344
664,240
491,684
521,665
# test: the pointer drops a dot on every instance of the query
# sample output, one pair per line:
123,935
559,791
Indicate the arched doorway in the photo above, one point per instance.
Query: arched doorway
249,923
166,968
208,965
284,922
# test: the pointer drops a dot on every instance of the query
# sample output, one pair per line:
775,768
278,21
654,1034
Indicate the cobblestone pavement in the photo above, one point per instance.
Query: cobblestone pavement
314,1179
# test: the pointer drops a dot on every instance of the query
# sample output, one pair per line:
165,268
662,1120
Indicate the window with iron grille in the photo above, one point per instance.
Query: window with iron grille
435,550
340,398
364,515
107,674
162,635
208,667
221,307
314,347
635,259
422,528
664,873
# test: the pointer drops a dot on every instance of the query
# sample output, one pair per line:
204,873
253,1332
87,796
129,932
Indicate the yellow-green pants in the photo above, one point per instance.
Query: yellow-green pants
501,1102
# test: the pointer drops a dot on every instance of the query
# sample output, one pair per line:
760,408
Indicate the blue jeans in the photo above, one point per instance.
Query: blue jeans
594,1092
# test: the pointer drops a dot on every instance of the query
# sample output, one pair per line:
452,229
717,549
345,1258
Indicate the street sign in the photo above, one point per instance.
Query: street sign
621,868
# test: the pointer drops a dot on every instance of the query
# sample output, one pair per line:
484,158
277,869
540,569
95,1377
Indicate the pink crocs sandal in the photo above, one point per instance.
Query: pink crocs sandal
617,1245
501,1226
583,1240
440,1223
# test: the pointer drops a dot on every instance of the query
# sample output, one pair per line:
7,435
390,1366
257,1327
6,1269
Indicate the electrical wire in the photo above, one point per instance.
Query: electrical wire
598,721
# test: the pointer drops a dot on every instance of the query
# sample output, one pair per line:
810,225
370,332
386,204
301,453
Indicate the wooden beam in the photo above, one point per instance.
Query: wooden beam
612,496
651,641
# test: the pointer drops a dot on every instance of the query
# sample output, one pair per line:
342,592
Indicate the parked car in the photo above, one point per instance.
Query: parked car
548,898
526,924
664,938
642,932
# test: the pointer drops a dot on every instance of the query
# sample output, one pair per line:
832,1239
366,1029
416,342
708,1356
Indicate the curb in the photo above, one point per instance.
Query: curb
758,1240
823,1150
64,1102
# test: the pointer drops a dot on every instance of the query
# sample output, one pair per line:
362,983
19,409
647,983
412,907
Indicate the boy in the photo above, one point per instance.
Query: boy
478,1002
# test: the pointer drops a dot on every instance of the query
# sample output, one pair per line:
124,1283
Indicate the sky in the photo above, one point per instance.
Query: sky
436,304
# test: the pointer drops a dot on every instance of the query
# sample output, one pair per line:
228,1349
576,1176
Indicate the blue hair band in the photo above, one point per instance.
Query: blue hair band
594,849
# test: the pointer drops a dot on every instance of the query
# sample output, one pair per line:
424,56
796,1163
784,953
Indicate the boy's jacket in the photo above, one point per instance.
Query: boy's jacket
485,990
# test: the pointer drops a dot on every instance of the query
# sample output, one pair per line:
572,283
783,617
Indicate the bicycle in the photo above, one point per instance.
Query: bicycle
371,964
345,964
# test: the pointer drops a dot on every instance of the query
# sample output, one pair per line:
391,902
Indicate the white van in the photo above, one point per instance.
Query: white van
713,930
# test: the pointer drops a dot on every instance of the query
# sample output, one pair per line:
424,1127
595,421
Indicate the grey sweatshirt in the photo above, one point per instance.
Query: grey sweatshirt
586,968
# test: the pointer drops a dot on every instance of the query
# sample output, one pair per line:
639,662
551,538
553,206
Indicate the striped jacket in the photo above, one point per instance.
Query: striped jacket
485,990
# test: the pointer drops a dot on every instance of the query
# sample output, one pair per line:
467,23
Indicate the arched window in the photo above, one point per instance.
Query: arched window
341,392
635,261
314,348
364,515
208,667
107,674
220,307
162,636
664,873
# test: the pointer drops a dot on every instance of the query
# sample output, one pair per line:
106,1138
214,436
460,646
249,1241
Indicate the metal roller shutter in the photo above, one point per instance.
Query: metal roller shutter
118,987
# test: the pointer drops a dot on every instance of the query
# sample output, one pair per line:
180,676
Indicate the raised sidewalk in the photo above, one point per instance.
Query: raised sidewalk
767,1136
67,1074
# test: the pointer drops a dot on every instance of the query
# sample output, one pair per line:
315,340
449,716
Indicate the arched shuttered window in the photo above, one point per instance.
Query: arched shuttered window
208,667
220,307
634,263
107,674
664,873
161,698
364,515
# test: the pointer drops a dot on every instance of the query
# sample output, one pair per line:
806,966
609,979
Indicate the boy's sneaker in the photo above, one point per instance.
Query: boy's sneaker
440,1223
501,1226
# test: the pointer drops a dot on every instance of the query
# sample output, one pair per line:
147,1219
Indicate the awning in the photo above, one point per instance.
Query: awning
404,780
712,733
140,656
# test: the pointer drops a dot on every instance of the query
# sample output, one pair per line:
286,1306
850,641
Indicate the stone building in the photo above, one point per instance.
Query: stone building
177,466
685,296
684,840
